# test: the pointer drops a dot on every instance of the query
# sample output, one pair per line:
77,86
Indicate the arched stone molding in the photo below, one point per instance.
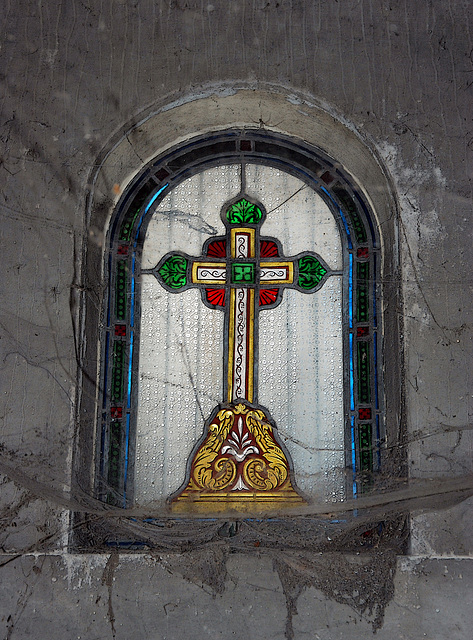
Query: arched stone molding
172,125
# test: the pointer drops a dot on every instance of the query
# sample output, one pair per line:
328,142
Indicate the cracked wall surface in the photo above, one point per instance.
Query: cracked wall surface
148,597
75,75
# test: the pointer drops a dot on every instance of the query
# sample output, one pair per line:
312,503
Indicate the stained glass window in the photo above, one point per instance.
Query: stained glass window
240,347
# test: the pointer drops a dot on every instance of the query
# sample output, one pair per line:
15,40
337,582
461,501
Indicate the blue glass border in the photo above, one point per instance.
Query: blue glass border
353,456
352,377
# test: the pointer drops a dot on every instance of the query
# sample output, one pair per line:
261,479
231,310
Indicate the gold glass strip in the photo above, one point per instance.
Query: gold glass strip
207,265
251,503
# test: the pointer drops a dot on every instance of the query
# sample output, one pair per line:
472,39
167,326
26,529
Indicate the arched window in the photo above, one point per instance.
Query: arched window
240,353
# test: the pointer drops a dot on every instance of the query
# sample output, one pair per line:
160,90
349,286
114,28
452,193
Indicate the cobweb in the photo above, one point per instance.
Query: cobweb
60,107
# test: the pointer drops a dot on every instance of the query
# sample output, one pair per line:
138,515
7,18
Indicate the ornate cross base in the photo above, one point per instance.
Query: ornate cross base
239,466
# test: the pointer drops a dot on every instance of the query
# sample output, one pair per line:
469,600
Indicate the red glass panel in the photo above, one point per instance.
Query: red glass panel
327,177
267,296
122,250
268,249
361,332
116,412
162,174
363,252
364,413
216,296
120,329
217,249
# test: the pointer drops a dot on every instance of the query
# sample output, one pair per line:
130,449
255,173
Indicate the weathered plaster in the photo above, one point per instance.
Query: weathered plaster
77,75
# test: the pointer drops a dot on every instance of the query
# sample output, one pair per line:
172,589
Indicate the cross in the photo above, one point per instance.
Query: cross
241,273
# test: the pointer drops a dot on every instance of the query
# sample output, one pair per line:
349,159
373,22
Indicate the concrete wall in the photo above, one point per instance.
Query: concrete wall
76,76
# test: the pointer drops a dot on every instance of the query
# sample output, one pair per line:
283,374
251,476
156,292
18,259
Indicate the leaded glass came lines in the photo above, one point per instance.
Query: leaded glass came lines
349,206
244,273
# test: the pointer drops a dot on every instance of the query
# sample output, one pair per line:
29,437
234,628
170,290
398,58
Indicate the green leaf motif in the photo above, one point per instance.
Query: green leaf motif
173,272
311,272
244,212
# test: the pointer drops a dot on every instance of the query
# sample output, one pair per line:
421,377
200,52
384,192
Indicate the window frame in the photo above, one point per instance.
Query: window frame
342,194
132,213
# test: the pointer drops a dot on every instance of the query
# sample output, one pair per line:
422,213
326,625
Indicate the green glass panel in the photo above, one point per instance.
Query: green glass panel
362,296
311,272
244,212
115,463
243,273
173,272
365,447
120,290
118,370
127,224
115,453
349,206
129,219
363,369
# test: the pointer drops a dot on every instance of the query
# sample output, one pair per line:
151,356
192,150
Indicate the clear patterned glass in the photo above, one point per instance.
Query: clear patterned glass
300,361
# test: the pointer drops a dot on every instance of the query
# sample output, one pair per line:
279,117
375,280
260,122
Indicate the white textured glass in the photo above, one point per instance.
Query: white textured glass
301,384
180,382
296,215
300,342
300,377
190,214
181,340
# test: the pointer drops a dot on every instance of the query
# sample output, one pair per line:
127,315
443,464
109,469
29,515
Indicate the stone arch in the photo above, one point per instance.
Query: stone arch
125,170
